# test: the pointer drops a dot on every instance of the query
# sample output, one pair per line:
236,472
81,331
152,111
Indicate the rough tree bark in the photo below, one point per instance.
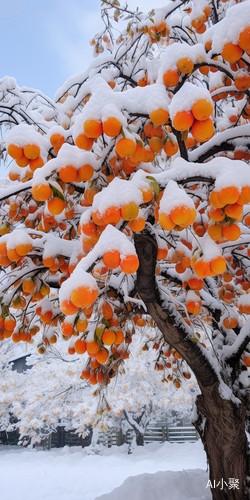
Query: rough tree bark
220,422
225,442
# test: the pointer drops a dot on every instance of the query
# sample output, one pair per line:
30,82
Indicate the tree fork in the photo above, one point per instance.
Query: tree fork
135,424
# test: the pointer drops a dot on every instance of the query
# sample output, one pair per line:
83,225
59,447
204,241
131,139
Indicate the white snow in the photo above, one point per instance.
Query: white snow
228,29
209,248
162,485
150,473
57,129
244,300
177,51
79,278
136,100
173,197
118,193
68,155
185,98
222,169
111,239
25,134
17,237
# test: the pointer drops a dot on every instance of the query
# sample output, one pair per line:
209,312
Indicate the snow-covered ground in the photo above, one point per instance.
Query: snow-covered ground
77,474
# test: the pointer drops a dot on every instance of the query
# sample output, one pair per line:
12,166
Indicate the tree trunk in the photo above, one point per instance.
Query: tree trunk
220,423
225,442
139,439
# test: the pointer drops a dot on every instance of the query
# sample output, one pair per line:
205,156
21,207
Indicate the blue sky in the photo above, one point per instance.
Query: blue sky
44,42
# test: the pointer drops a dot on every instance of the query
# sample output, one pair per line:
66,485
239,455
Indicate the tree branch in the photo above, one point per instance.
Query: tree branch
234,352
181,144
11,191
224,146
169,322
135,425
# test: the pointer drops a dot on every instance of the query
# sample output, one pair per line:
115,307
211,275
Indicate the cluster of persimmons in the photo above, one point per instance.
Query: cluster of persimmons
51,206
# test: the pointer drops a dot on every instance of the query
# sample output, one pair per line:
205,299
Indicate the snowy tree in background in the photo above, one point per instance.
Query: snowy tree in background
126,207
37,405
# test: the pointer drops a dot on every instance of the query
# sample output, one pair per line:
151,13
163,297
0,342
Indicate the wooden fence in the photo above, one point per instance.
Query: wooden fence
159,432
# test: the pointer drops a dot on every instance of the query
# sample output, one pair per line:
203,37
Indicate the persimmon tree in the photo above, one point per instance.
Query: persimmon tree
127,207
